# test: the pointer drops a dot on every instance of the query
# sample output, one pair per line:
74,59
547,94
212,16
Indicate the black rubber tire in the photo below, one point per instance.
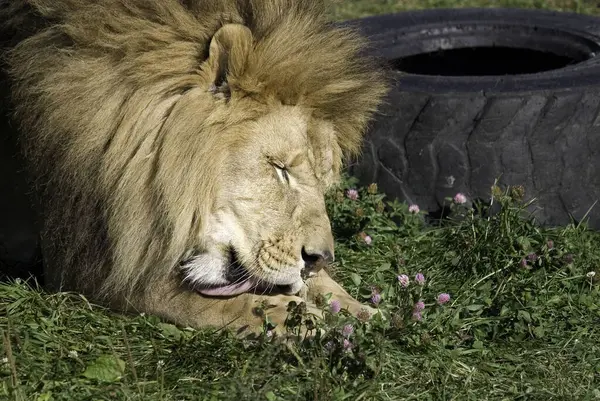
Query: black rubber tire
438,135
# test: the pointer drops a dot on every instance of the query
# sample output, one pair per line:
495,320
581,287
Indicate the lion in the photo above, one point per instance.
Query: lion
181,150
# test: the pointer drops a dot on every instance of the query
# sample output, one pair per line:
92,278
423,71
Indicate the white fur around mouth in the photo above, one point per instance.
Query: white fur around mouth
208,275
215,285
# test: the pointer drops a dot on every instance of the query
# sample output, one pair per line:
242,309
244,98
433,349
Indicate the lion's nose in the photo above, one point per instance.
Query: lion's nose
316,260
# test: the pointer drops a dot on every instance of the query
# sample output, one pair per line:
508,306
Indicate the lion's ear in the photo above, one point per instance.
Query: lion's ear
228,53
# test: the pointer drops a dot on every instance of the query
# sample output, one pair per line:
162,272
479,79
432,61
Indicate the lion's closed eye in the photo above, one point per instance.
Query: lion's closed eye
282,172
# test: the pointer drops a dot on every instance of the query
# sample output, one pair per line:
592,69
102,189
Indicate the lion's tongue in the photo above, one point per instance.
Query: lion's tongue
227,290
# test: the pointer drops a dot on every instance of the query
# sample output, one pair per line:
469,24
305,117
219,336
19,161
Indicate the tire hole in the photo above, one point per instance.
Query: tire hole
482,61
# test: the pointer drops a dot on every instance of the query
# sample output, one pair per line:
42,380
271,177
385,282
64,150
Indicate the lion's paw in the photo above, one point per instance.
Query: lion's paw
286,316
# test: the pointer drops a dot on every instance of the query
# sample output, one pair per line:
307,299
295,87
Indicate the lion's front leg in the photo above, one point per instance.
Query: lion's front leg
244,314
322,284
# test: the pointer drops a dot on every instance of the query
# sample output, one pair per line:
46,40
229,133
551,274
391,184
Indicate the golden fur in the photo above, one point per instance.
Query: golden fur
162,132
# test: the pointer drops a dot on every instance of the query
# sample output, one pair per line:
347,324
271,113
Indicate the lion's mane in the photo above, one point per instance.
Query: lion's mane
114,138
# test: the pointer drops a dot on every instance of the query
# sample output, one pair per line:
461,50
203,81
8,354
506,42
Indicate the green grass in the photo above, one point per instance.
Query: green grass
347,9
510,331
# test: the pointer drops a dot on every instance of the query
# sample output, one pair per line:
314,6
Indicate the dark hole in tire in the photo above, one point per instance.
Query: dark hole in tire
481,61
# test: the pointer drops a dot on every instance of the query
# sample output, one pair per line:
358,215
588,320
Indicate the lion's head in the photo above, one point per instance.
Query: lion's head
269,220
194,139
